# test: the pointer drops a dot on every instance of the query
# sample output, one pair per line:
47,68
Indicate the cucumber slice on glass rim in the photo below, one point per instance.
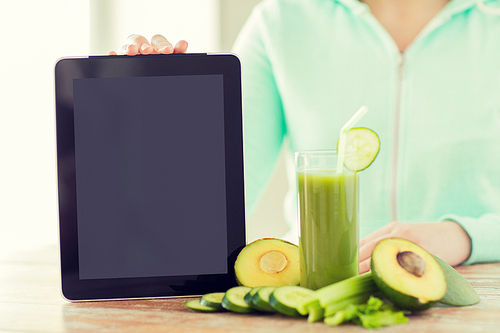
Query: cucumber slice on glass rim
361,148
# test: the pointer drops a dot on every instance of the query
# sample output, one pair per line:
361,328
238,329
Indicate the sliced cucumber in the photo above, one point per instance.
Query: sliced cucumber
285,299
195,305
249,295
213,300
260,300
234,300
361,147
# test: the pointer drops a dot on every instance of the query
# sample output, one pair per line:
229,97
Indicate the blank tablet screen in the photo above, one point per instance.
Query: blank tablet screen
150,176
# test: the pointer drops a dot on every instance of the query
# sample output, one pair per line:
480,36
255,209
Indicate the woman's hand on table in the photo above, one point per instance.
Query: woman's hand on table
447,240
137,44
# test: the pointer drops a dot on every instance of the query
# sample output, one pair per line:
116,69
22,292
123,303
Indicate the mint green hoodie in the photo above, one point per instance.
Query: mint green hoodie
308,65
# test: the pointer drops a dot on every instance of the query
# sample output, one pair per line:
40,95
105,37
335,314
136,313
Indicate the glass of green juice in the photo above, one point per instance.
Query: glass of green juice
328,218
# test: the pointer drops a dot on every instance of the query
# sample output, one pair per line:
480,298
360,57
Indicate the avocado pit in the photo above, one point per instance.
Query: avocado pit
273,262
412,263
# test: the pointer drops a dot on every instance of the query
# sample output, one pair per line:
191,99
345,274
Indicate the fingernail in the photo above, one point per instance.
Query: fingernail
128,47
164,48
146,49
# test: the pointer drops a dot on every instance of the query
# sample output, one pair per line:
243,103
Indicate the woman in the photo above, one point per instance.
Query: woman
429,73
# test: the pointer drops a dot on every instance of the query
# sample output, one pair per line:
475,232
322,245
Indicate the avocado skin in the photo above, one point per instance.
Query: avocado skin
459,292
403,301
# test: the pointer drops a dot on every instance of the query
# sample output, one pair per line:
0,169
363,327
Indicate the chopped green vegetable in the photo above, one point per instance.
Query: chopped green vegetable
331,309
234,301
342,316
382,318
284,299
316,312
213,300
249,295
195,305
355,285
303,304
373,314
260,300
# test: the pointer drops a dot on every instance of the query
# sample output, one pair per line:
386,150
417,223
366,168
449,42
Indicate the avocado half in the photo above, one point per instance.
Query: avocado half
408,275
270,262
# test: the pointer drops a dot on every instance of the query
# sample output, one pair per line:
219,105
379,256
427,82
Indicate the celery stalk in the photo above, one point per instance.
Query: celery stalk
303,304
350,287
331,309
316,312
372,314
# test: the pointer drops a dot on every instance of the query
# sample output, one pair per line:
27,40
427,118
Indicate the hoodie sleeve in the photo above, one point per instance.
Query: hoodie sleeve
263,120
484,232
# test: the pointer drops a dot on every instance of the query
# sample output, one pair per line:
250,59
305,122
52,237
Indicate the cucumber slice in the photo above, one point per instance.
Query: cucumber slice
260,300
234,300
249,295
361,147
285,299
213,300
195,305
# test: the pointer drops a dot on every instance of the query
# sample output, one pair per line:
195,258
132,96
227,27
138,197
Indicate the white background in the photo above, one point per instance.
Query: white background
35,34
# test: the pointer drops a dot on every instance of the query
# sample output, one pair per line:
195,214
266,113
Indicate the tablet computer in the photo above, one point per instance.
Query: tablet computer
150,175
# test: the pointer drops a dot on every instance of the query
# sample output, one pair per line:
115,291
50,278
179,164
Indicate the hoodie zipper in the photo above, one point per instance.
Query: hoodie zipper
362,9
393,189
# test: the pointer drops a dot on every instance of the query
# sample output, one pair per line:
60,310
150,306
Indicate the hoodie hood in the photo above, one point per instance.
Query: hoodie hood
452,8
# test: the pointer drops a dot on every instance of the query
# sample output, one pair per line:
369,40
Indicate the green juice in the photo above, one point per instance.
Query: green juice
328,215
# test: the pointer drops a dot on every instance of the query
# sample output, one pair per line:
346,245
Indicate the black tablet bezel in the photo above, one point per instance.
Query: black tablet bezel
66,70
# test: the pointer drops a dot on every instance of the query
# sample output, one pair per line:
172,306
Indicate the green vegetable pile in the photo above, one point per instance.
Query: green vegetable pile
369,299
373,314
348,301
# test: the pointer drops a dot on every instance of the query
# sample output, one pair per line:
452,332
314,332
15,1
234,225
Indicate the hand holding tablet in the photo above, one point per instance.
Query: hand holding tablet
137,44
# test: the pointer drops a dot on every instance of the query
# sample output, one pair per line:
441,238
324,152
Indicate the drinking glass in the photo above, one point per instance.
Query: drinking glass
328,218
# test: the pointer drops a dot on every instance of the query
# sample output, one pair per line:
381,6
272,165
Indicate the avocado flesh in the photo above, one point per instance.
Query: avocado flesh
268,262
407,274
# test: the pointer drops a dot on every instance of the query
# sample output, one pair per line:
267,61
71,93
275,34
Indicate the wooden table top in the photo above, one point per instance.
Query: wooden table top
31,301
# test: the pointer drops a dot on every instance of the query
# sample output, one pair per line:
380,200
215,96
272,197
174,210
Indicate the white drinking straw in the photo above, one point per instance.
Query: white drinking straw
343,133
